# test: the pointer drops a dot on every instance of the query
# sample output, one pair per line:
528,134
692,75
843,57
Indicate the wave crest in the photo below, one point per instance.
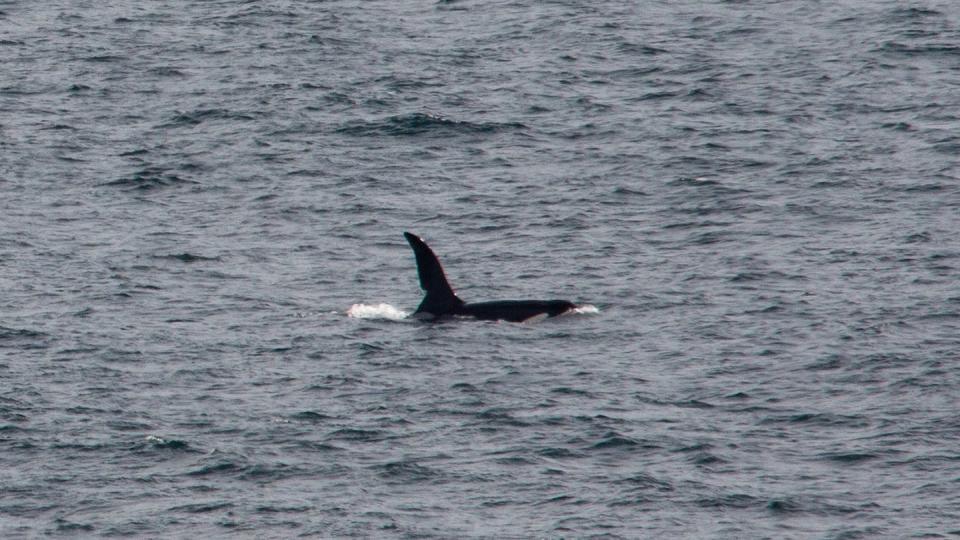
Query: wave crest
424,124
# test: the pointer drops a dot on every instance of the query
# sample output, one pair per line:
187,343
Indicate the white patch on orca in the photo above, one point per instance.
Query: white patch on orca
535,319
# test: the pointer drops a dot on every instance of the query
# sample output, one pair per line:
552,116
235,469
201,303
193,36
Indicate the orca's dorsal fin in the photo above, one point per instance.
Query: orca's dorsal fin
440,298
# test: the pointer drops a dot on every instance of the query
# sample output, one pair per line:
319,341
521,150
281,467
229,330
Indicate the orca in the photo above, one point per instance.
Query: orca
441,302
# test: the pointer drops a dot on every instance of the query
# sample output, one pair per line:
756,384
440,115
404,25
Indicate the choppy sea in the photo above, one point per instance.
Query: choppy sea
203,278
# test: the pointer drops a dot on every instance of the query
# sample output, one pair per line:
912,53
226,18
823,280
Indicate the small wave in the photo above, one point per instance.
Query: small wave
615,442
819,419
217,467
201,508
199,116
15,333
104,58
915,13
166,444
423,124
187,257
934,50
310,416
361,435
376,311
406,471
148,179
731,500
167,71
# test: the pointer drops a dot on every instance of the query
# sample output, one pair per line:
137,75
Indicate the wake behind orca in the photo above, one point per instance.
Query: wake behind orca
440,300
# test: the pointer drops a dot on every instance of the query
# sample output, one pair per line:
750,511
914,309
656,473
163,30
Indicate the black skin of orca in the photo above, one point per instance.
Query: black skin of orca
441,302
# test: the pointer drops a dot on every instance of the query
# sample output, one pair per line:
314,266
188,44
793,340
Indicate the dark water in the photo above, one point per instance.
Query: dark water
761,198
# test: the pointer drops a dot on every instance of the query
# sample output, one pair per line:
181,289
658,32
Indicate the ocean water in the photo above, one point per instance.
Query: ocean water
204,278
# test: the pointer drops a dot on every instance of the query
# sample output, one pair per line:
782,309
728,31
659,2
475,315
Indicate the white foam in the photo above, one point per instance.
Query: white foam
585,309
376,311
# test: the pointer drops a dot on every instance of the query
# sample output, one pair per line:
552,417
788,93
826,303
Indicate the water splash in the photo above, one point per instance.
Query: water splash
376,311
585,309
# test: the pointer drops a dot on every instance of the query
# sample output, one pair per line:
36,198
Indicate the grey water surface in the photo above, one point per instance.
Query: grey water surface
761,199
